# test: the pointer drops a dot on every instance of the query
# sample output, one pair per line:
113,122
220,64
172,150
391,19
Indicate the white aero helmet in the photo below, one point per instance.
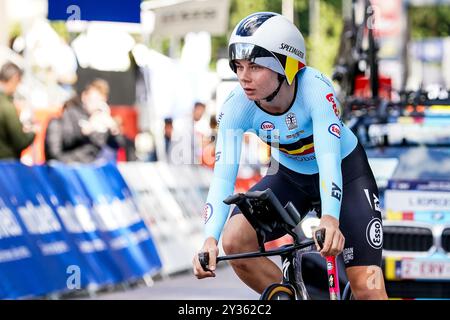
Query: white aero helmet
270,40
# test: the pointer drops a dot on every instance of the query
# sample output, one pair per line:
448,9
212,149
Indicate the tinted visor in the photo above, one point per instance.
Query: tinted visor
255,54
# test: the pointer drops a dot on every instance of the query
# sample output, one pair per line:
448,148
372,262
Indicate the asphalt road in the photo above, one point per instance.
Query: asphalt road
184,286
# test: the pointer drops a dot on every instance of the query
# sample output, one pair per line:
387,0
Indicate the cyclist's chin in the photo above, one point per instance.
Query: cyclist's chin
252,96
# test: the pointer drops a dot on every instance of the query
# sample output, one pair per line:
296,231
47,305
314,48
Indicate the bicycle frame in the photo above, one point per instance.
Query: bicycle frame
291,263
258,203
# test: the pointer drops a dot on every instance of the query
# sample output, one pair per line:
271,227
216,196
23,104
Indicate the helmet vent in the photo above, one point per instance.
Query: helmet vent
249,26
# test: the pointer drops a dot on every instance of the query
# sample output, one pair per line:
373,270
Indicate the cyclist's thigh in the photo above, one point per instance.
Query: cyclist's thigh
239,235
360,222
285,190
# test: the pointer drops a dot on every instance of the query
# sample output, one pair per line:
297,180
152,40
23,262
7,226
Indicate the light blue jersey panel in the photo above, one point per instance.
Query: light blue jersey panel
308,138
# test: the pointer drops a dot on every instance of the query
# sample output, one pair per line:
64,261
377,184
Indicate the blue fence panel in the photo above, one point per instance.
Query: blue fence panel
21,269
44,228
66,215
89,239
118,221
66,227
144,252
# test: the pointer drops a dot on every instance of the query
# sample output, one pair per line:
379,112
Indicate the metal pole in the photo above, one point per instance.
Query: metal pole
347,7
314,22
174,47
287,9
3,23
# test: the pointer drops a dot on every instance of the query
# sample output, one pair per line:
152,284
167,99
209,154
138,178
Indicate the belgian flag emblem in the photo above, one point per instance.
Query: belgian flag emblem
291,66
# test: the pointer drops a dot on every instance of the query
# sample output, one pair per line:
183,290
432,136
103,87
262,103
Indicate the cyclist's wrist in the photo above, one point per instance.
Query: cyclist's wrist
330,218
211,241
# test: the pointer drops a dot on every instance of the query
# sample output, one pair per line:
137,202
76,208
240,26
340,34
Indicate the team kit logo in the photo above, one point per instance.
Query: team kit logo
336,192
267,126
291,121
376,202
335,130
330,98
374,233
207,212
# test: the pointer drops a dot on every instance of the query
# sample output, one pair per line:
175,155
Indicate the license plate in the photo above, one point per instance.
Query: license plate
417,269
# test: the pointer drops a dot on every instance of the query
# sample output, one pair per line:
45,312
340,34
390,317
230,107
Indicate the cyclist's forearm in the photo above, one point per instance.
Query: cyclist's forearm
330,184
216,212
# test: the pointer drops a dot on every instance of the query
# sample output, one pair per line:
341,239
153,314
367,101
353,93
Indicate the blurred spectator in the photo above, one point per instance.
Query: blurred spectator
14,137
199,111
127,149
85,132
189,134
168,130
213,127
209,143
145,147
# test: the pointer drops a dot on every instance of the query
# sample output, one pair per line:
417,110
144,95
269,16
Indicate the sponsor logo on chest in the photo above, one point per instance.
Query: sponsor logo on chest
267,126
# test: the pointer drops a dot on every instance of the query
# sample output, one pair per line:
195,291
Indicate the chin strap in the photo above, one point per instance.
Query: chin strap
273,95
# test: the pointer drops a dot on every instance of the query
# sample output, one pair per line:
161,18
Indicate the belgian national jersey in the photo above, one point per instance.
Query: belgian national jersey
309,138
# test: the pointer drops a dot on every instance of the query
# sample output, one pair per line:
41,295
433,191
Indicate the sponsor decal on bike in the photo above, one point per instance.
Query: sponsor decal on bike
374,233
267,126
331,281
291,121
336,192
329,266
207,212
285,268
335,130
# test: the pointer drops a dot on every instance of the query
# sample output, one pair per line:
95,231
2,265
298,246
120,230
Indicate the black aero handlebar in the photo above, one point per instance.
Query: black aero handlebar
203,257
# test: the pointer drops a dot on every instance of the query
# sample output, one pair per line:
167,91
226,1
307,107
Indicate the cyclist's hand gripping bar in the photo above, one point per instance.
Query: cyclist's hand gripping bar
320,237
203,257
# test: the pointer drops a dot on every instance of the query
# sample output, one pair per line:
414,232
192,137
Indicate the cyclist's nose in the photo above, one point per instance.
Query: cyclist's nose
244,75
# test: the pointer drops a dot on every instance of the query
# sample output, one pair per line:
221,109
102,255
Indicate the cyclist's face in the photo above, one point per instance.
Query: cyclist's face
258,82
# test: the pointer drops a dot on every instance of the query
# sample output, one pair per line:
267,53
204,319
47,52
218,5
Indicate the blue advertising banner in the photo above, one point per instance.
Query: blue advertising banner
69,227
99,10
82,225
144,252
79,272
21,272
44,228
128,238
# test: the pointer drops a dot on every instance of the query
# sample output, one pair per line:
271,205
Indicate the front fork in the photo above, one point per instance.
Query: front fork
292,274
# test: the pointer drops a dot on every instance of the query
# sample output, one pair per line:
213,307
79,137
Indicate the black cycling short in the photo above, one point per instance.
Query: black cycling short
360,216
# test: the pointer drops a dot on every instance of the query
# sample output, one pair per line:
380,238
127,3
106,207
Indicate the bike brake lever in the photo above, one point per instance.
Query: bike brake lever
203,258
320,237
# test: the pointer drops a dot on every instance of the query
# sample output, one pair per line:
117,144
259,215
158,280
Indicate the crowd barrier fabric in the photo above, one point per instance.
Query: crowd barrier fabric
20,273
64,228
170,200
